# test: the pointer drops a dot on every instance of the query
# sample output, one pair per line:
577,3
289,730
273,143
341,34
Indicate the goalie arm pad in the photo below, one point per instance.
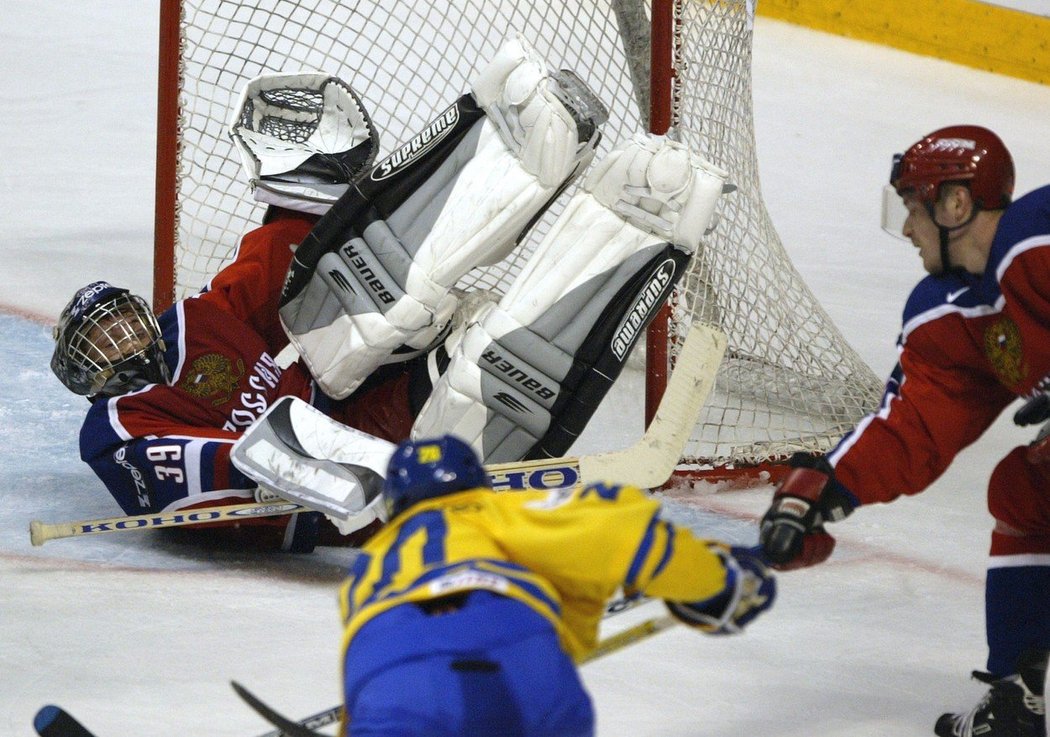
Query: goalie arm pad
527,374
302,455
375,276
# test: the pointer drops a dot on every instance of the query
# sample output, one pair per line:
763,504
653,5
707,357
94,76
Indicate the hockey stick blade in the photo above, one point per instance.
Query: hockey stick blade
54,721
314,721
646,464
651,461
283,723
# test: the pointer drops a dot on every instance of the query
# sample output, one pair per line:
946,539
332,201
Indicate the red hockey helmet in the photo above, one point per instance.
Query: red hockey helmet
958,153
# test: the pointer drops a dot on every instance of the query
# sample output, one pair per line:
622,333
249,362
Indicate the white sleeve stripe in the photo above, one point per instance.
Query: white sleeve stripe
1019,561
224,494
940,311
180,322
1035,241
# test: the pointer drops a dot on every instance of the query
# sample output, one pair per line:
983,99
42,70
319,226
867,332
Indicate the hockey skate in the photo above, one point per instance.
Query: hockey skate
1013,707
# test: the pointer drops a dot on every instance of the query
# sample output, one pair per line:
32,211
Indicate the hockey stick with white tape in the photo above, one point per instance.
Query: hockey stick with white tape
41,532
647,463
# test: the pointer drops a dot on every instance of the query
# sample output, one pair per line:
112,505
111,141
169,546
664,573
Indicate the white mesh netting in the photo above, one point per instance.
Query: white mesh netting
789,381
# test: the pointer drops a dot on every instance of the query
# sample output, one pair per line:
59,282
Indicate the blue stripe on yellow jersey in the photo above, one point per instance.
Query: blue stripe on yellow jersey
563,553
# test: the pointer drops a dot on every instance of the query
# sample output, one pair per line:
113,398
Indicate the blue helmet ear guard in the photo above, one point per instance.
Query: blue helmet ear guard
429,468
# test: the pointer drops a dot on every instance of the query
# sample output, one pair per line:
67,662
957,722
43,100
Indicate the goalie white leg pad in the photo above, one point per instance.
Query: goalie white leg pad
302,455
526,375
430,212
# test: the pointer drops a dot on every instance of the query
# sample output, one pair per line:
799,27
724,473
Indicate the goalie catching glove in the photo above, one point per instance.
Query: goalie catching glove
371,284
303,137
792,530
1036,409
750,590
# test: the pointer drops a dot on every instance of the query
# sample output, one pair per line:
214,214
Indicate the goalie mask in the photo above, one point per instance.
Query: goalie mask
302,138
425,469
107,341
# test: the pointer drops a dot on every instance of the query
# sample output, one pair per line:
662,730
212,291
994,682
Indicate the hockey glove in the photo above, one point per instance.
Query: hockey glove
792,532
1036,409
750,590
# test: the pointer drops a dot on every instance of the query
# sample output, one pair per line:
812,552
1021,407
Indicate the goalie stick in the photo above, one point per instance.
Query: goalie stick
646,464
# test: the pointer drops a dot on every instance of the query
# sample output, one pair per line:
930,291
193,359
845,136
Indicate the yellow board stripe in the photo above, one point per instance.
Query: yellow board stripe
968,32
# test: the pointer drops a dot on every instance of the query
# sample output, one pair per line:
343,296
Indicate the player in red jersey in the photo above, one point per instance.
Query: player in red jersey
976,337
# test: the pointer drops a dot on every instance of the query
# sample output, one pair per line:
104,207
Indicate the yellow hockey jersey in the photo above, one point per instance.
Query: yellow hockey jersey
564,553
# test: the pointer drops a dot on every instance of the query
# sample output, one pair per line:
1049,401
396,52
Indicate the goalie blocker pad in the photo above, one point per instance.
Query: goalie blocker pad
371,282
524,377
301,454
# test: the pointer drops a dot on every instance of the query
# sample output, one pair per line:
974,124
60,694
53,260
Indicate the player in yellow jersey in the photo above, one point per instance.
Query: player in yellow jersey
465,614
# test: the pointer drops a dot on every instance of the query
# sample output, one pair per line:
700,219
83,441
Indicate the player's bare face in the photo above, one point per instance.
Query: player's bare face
920,229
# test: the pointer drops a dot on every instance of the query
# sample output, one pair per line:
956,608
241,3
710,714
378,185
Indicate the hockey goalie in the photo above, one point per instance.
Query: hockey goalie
374,282
194,410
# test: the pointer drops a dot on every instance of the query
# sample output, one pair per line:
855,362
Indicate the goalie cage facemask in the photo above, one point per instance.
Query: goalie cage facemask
303,138
107,341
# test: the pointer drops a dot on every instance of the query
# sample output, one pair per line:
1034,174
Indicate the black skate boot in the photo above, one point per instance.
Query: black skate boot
1013,707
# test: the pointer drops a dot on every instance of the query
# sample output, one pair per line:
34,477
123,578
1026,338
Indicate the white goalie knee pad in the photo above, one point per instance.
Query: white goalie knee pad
660,187
526,375
544,118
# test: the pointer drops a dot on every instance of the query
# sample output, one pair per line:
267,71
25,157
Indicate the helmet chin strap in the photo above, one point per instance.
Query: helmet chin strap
944,235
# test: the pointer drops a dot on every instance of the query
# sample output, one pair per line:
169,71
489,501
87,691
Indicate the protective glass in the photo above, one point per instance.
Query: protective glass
894,213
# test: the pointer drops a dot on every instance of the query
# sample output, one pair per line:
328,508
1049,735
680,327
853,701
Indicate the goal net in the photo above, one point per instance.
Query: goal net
789,380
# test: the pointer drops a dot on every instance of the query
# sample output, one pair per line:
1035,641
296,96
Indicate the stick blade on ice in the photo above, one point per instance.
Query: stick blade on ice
53,721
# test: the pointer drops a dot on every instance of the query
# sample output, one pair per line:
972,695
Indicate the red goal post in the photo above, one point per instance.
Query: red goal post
789,380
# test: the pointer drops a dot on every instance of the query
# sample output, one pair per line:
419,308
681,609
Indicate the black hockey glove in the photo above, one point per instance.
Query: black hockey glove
750,590
1036,409
792,532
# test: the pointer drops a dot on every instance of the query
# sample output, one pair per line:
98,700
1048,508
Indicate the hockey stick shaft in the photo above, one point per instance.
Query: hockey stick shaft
41,532
608,645
646,464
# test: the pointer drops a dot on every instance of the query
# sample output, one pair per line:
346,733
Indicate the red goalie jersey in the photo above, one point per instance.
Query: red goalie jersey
167,446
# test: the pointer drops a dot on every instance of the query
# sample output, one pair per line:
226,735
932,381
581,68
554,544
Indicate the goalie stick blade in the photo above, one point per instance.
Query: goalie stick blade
283,723
651,461
54,721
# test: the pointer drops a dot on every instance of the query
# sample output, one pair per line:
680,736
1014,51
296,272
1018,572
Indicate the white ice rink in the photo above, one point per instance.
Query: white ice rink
138,636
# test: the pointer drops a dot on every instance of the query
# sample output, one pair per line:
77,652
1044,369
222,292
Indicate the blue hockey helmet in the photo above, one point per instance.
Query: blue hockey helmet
107,342
428,468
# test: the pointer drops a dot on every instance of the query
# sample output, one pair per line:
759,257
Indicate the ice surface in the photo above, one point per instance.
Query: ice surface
139,635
